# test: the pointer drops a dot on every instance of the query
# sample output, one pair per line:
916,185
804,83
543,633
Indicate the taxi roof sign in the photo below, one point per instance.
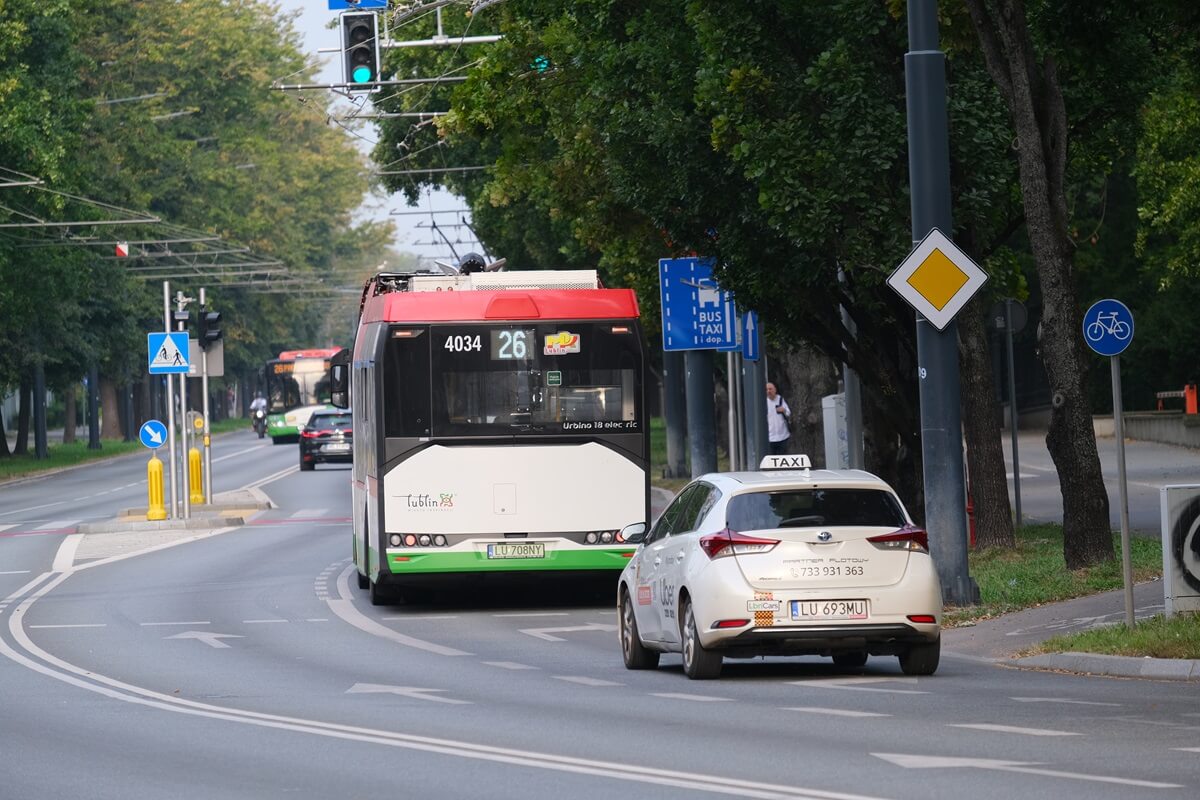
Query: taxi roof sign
785,462
937,279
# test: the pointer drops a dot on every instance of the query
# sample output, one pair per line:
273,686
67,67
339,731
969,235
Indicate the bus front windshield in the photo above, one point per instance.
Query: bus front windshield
512,379
292,384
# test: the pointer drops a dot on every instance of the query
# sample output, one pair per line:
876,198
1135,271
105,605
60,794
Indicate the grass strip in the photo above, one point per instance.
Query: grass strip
1157,637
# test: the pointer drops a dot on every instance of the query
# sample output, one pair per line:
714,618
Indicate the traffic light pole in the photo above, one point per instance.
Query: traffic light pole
204,390
174,511
180,305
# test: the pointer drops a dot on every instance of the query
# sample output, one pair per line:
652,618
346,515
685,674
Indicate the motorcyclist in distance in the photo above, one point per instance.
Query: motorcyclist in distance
258,402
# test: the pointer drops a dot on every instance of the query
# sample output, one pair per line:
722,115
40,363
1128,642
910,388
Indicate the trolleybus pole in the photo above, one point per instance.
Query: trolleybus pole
204,410
170,402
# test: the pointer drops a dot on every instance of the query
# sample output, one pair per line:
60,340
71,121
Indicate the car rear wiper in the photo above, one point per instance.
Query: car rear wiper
802,522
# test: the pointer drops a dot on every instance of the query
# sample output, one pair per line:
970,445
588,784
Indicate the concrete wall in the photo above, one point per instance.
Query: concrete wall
1168,427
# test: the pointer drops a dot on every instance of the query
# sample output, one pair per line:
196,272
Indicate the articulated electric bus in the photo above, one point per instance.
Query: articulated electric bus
499,427
297,385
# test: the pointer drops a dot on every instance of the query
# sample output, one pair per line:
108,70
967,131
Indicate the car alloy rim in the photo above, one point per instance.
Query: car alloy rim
626,628
689,629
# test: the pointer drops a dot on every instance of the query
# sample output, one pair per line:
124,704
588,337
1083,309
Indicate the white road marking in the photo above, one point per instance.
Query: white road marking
699,698
404,618
32,508
535,614
261,621
508,665
210,638
308,513
238,453
983,726
57,525
78,625
64,559
344,608
1061,700
548,633
1187,749
162,624
835,712
1160,723
406,691
583,680
283,473
6,527
39,660
855,684
946,762
317,619
15,572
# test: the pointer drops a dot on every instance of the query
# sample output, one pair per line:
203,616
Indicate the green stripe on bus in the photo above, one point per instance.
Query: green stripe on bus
417,562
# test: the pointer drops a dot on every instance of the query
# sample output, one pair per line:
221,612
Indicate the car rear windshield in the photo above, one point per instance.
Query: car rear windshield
331,421
799,508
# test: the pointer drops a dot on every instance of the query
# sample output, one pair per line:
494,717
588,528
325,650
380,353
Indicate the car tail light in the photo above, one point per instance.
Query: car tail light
732,543
925,619
907,538
307,434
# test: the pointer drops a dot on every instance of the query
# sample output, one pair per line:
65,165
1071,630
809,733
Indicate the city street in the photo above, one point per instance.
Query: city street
245,663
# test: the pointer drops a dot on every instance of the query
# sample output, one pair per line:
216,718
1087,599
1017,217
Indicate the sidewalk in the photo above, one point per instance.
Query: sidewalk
999,640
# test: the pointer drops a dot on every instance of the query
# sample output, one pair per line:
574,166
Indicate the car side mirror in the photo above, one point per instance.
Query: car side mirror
339,379
635,533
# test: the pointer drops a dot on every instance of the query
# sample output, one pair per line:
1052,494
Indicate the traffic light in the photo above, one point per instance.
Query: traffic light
209,323
360,51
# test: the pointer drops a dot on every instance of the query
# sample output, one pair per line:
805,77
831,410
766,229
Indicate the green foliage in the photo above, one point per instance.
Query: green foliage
1157,637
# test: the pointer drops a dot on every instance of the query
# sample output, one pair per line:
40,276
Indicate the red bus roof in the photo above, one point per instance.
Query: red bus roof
319,352
481,306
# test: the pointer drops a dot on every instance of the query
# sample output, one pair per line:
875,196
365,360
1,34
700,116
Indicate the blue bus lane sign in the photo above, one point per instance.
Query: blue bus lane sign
751,339
1108,327
696,313
153,434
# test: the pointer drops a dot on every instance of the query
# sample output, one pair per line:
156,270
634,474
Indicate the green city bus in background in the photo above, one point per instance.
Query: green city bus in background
297,385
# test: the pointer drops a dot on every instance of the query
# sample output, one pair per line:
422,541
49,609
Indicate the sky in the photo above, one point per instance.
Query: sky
315,16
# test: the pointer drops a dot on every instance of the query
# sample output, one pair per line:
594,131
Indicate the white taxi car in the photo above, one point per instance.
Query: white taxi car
788,560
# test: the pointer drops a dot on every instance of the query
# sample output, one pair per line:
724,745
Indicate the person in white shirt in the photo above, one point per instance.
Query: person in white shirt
258,402
778,417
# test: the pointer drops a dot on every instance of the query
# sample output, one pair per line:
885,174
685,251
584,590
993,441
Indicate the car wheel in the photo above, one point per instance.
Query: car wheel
854,658
363,581
307,466
636,654
699,664
921,659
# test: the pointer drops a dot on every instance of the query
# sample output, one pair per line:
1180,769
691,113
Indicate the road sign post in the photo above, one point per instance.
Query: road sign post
174,511
1108,330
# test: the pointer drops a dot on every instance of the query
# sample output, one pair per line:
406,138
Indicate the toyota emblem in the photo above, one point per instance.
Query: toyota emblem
824,536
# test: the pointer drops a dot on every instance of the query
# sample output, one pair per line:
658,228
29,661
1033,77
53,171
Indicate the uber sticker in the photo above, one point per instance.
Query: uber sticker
645,595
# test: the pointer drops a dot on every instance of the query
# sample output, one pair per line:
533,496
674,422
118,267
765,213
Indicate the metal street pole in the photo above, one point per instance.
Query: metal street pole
1012,409
204,409
174,512
675,412
754,403
851,386
937,351
1119,430
702,430
185,489
731,396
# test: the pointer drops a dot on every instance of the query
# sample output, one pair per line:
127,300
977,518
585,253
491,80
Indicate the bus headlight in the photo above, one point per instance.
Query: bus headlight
425,539
439,540
395,539
591,537
606,537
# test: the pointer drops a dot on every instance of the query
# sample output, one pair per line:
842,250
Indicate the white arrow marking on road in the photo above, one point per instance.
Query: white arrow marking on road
852,684
1061,700
210,638
404,691
545,633
948,762
152,434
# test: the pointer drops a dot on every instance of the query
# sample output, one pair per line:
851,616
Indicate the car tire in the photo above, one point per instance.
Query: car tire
363,581
699,663
377,593
307,466
921,659
853,658
635,654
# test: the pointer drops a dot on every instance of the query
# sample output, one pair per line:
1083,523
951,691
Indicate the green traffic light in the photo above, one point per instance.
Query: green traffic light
361,74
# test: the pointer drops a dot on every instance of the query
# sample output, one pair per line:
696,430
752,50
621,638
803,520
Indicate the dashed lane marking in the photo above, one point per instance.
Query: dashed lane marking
982,726
699,698
404,618
15,572
583,680
1062,700
856,684
835,712
509,665
261,621
535,614
75,625
165,624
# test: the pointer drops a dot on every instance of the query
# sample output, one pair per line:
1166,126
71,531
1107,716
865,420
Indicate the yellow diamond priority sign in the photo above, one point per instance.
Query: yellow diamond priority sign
937,279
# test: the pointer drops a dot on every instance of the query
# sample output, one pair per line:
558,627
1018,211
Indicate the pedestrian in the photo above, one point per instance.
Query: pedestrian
779,418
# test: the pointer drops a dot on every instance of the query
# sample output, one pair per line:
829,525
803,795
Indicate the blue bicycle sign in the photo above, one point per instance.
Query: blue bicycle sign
1108,327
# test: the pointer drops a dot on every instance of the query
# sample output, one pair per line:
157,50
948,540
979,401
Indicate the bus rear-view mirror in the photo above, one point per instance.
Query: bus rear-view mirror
339,379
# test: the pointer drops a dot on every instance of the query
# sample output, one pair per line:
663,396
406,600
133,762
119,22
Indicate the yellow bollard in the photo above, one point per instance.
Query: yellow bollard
156,508
195,476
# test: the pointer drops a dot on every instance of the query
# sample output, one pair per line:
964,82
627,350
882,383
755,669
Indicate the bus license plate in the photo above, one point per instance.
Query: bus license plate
517,550
829,609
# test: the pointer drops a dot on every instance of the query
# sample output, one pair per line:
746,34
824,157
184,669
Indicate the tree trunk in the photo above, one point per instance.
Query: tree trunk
25,403
4,451
110,413
69,412
802,377
981,427
1035,102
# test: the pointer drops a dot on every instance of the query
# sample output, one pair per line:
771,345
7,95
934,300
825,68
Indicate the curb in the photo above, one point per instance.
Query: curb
132,525
1173,669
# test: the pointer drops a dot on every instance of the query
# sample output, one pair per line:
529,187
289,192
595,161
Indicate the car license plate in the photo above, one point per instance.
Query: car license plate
517,550
338,447
829,609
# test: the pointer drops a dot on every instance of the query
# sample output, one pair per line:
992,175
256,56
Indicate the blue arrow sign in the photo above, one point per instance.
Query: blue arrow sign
696,313
1108,327
356,5
750,336
153,434
168,353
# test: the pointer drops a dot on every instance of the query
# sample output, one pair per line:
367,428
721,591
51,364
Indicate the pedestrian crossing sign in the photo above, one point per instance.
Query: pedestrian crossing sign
168,353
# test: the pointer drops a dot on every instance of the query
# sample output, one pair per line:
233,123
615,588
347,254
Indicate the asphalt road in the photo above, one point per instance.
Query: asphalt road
246,664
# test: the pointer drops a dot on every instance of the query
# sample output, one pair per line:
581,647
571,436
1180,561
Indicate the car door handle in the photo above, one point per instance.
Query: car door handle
657,561
679,558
